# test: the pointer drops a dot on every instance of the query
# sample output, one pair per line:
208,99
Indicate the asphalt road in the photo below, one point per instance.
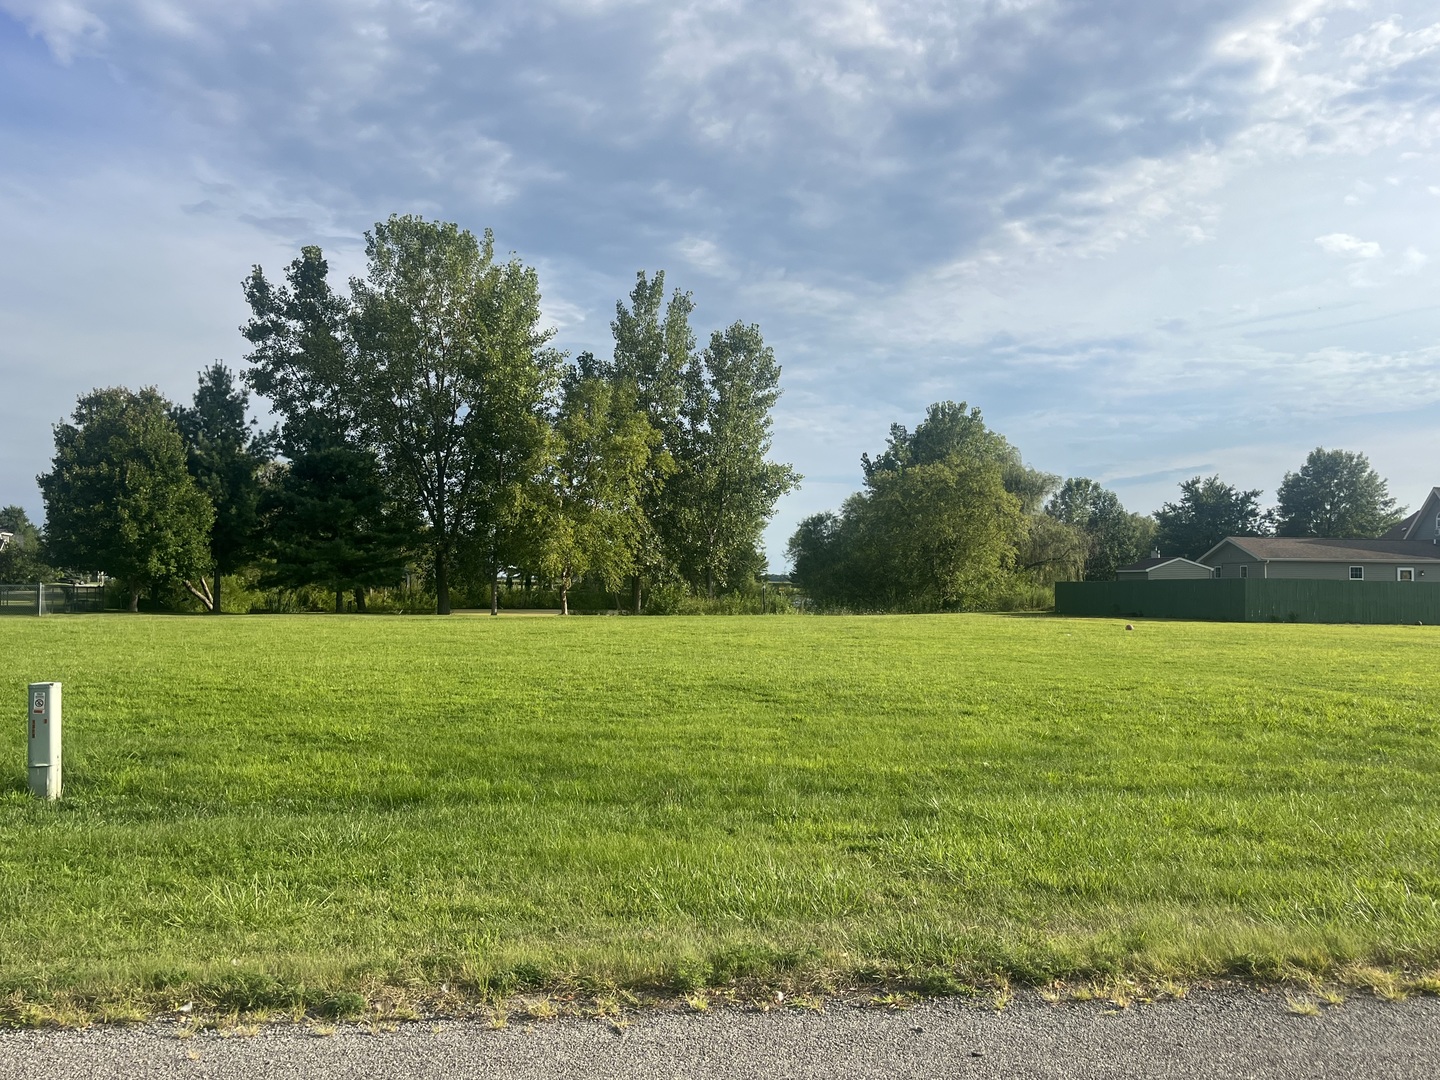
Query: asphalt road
1218,1033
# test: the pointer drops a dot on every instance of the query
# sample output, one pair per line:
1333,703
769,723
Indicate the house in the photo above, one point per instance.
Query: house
1282,578
1157,568
1312,558
1408,552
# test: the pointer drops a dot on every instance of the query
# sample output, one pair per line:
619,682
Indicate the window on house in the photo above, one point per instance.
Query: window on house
1357,573
1244,570
1217,571
1405,573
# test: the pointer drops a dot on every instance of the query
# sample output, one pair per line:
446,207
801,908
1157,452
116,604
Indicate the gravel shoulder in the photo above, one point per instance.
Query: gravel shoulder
1223,1033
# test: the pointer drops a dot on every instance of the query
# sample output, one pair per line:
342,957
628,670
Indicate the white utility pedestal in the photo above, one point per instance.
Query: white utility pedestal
43,726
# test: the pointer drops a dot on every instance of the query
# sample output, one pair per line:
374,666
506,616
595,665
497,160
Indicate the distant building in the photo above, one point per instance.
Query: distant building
1157,568
1285,578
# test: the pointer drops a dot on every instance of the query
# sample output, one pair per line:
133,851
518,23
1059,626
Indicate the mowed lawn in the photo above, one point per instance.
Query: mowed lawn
283,806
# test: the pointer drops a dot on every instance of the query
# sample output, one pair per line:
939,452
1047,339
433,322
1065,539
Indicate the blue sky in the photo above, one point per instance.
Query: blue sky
1148,241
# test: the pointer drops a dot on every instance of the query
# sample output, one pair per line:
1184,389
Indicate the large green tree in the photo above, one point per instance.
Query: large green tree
226,453
945,511
1336,493
954,431
455,379
1114,537
1208,511
654,346
118,496
936,536
726,486
601,467
22,555
817,554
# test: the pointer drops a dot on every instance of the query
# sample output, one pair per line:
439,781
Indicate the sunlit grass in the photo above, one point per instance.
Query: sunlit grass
277,811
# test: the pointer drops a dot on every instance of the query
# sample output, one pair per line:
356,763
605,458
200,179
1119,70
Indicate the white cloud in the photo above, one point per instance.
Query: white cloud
1345,244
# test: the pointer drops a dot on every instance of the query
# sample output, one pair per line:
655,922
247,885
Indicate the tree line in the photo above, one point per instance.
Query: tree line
951,518
425,422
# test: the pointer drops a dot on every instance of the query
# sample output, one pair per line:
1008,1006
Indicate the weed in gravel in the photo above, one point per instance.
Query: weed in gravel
892,1001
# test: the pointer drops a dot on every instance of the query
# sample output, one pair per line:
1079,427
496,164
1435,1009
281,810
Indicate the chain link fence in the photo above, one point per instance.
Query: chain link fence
50,599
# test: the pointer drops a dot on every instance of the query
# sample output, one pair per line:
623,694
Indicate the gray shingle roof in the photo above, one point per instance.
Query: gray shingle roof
1322,549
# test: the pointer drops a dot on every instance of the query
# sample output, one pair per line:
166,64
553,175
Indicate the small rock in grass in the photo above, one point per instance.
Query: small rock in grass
1128,626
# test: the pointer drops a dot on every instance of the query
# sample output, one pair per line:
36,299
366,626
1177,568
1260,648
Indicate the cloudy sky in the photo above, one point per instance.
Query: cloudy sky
1149,240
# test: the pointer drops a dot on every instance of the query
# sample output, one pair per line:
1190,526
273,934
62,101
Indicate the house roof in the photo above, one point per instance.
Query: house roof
1154,561
1323,549
1406,529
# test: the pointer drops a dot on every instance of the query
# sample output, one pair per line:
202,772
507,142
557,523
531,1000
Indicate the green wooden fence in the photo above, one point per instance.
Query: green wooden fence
1254,600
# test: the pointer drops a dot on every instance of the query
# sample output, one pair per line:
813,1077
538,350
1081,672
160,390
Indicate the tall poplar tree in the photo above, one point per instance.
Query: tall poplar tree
654,345
725,485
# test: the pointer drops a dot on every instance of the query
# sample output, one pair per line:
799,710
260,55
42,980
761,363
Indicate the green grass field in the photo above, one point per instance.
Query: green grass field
268,811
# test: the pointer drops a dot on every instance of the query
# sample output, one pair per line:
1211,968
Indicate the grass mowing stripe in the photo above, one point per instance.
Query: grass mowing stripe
313,801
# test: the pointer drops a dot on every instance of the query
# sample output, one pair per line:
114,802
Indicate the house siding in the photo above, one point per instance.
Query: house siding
1229,558
1230,568
1327,571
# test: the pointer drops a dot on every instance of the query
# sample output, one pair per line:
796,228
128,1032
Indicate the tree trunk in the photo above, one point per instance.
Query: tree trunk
635,593
360,600
215,594
339,601
494,595
442,584
202,594
564,597
134,599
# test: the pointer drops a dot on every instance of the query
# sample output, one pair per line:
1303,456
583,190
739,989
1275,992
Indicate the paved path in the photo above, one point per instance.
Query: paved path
1222,1034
